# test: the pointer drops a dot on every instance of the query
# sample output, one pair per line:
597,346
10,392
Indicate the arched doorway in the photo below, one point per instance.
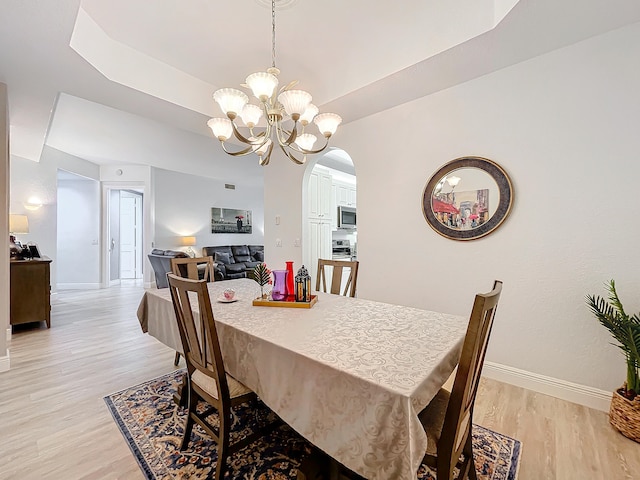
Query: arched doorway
330,183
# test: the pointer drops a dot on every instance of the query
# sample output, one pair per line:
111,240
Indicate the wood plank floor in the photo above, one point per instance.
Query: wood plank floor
54,423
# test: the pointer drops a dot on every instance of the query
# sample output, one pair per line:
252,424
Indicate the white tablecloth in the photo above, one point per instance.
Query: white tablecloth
350,375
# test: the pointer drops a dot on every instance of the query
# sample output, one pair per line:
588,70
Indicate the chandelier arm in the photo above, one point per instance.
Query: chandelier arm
291,135
291,157
245,140
240,153
264,160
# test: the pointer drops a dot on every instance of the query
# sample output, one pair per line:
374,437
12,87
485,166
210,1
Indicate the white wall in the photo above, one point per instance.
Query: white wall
78,252
4,221
183,208
565,127
39,179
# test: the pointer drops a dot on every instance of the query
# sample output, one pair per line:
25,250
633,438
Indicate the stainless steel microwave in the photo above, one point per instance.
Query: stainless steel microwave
346,217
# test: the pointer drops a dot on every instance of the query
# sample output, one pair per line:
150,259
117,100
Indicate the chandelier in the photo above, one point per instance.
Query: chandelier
288,113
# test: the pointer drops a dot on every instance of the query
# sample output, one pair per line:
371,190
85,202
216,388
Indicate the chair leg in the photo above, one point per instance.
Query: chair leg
223,444
191,407
468,453
176,361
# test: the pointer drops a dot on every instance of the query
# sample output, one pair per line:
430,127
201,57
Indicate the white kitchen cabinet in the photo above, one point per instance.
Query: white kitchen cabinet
319,244
321,218
351,196
345,194
320,196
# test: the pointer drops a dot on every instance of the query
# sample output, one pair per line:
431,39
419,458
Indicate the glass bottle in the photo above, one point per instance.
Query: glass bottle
290,281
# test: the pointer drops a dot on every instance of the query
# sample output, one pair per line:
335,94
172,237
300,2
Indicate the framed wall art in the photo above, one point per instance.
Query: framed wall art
230,220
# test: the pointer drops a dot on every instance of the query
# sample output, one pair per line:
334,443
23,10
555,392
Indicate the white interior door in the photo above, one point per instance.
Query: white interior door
130,235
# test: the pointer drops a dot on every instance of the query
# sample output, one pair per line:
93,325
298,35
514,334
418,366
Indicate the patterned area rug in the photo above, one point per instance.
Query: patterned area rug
152,425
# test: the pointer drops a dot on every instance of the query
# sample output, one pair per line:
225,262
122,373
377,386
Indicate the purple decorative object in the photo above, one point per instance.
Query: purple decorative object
279,291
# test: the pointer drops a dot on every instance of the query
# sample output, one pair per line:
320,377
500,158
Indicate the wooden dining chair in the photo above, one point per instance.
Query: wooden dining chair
336,278
448,418
190,268
206,375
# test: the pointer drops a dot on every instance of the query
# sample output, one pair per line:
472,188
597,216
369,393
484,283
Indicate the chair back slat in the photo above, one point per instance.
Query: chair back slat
198,332
188,267
336,278
465,387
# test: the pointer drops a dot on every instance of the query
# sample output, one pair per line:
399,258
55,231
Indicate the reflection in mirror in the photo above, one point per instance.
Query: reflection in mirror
467,198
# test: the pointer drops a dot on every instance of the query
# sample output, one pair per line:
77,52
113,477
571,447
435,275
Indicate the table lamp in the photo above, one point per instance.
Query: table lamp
189,242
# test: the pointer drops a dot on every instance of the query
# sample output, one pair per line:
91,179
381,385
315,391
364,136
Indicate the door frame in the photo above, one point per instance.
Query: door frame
107,187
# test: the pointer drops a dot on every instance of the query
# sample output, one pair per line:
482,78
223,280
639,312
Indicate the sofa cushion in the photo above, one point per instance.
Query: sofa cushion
222,257
235,268
251,265
241,253
258,257
210,251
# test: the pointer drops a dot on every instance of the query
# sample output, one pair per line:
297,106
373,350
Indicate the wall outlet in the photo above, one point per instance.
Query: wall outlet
278,242
296,242
277,219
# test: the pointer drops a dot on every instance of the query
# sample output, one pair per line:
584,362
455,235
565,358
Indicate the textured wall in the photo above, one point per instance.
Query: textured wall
564,126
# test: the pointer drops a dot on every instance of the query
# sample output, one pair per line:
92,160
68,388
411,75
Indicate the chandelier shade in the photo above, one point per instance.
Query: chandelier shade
221,128
287,112
231,101
262,84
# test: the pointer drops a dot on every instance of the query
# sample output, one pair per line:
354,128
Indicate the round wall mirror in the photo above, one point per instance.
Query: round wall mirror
467,198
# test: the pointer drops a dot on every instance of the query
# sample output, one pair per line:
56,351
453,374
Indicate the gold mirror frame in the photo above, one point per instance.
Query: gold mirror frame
505,202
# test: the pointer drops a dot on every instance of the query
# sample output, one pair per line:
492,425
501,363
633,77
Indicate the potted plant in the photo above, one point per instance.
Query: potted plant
625,404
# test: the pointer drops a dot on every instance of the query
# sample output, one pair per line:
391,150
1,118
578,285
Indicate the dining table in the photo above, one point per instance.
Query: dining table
349,374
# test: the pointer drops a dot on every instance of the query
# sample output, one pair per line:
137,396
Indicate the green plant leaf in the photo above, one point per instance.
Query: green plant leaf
624,329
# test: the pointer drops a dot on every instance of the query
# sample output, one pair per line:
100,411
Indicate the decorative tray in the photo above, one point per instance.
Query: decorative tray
285,303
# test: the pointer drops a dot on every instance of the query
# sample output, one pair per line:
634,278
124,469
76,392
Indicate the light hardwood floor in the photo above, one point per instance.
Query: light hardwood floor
54,423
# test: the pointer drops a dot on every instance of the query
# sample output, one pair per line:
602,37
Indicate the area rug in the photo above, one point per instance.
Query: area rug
152,424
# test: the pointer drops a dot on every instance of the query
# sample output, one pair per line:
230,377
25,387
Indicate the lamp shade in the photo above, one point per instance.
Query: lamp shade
188,241
262,84
230,100
295,102
327,123
221,128
306,141
18,224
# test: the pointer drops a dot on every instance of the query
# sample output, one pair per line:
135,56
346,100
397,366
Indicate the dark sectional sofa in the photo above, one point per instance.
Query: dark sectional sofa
234,261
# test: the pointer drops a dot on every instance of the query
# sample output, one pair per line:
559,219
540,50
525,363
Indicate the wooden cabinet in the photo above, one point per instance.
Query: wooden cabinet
30,297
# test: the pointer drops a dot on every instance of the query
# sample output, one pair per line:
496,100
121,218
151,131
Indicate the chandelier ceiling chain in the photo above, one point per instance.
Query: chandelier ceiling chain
273,33
277,107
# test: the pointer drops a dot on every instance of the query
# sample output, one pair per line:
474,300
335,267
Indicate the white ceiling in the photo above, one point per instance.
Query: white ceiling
130,81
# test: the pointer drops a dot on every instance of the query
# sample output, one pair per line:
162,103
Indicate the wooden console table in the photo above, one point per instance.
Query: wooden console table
30,287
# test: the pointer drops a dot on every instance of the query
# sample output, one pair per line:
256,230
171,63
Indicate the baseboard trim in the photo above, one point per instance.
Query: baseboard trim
572,392
113,283
78,286
5,363
8,334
